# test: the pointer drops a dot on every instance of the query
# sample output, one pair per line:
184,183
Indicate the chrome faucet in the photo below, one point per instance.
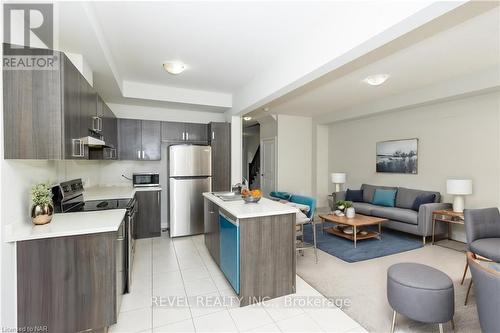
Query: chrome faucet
238,187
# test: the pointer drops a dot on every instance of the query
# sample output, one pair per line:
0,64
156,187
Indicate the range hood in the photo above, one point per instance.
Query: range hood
92,142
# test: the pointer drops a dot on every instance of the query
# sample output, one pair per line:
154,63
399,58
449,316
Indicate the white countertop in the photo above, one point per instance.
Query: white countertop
67,224
242,210
114,192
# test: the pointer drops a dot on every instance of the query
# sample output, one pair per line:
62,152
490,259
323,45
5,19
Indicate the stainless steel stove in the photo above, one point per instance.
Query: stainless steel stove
68,198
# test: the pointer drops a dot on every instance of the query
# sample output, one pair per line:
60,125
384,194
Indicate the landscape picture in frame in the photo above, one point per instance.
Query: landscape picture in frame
397,156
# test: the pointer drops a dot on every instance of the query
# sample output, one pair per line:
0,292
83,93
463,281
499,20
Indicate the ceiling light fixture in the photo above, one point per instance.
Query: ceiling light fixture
174,67
247,118
376,79
266,108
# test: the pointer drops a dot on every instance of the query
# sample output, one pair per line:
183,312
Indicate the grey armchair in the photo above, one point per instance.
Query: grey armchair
487,289
482,230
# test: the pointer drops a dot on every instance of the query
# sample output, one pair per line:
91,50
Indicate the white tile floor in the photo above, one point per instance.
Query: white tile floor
181,270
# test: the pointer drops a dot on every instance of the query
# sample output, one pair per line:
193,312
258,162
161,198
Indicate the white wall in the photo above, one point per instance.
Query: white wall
294,154
236,150
164,114
457,139
320,164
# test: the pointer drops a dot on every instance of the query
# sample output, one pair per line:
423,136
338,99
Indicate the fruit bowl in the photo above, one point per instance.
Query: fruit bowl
251,199
252,196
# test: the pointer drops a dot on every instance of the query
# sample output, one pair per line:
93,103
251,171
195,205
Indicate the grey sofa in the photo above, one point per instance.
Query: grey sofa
401,217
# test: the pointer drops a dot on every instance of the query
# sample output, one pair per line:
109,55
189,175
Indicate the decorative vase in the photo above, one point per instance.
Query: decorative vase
350,212
41,214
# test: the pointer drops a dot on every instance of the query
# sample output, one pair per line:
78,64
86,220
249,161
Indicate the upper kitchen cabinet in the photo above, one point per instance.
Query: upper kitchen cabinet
219,137
151,140
47,112
184,132
108,123
32,105
139,139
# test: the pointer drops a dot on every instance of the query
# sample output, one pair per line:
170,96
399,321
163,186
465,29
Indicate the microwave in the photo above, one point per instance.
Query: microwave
146,179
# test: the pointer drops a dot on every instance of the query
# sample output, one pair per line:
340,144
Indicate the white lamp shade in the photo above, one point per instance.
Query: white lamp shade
459,186
338,177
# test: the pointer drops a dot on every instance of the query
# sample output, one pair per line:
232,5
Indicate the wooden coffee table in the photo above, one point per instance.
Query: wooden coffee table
356,222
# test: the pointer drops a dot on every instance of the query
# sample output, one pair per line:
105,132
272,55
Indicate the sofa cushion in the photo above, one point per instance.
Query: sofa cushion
423,199
406,197
385,198
354,195
369,191
363,208
281,195
396,214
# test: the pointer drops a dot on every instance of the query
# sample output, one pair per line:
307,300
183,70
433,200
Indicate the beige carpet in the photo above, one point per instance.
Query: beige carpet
364,283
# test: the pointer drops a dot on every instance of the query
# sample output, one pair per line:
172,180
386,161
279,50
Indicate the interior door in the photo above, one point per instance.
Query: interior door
268,165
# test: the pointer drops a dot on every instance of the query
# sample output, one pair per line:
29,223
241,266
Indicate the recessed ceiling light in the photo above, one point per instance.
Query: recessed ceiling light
266,108
376,79
174,67
247,118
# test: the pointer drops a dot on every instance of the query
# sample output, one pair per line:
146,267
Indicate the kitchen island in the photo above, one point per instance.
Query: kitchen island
254,246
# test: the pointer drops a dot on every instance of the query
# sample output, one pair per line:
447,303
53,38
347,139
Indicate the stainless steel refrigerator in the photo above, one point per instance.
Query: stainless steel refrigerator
190,174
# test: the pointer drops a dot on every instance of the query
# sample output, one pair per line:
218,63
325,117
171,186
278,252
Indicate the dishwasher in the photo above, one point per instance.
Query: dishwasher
230,250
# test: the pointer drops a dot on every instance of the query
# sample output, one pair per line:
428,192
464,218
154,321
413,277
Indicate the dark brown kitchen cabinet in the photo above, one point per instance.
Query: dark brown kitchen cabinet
107,123
148,223
68,284
32,114
139,139
219,136
47,112
196,132
129,139
151,140
212,231
184,132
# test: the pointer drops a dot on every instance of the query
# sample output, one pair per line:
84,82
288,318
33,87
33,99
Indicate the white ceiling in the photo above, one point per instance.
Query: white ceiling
230,48
448,56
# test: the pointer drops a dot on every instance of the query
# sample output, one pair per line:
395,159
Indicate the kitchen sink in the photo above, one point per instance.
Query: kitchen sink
228,196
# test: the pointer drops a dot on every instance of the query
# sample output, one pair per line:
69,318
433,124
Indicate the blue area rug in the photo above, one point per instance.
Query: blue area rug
391,242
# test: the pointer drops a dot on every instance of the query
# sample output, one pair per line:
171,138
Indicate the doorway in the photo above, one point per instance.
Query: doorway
268,164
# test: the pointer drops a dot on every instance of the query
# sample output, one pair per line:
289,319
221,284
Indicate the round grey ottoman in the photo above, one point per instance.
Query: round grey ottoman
421,293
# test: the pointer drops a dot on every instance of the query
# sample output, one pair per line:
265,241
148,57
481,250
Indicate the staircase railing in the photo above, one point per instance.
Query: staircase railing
254,167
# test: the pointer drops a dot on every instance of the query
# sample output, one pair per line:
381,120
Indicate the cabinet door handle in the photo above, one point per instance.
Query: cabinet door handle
95,124
100,124
139,154
213,135
143,154
158,196
183,136
77,145
187,136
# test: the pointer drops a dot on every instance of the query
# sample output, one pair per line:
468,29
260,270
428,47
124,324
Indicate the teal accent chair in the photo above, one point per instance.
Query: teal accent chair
307,201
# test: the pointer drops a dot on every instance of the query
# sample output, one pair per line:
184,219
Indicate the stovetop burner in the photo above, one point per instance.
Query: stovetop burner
94,205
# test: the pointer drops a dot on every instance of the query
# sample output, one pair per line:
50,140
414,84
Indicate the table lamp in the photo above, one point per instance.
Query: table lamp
459,188
338,178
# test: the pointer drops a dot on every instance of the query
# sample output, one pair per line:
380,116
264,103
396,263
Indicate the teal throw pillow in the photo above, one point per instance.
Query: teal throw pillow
384,197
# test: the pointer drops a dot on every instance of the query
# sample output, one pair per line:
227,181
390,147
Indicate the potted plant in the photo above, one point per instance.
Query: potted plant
42,209
346,207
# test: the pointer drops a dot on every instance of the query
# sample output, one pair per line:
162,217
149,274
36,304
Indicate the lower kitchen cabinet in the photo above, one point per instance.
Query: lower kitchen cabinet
212,232
68,284
148,223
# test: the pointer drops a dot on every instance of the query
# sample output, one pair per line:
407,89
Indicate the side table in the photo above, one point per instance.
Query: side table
446,216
